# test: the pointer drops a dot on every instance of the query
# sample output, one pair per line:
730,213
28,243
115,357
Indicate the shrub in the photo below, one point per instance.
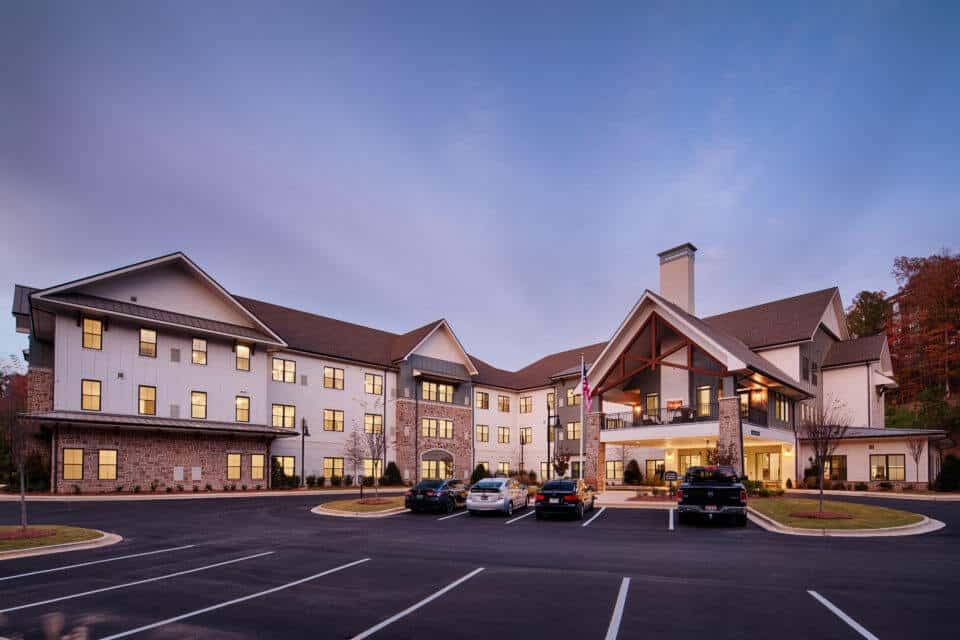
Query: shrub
632,475
532,477
257,487
861,486
907,487
789,484
233,487
169,489
479,473
136,489
179,487
392,474
336,481
209,487
348,480
368,481
949,477
76,489
752,486
243,487
196,488
838,486
886,486
119,488
321,480
153,485
311,481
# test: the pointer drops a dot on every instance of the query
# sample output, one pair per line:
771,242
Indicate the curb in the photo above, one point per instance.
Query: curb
185,495
878,495
105,540
321,510
926,525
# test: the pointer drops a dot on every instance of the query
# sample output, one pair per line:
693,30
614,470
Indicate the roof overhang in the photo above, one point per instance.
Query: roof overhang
143,423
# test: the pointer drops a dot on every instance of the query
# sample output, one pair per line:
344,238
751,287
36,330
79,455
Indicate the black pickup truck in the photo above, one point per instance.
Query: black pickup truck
712,492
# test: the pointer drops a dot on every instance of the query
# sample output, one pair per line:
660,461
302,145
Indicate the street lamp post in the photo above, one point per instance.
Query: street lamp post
304,432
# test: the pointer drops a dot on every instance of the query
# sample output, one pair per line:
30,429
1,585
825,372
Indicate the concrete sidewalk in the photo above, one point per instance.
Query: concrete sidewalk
889,495
622,500
190,495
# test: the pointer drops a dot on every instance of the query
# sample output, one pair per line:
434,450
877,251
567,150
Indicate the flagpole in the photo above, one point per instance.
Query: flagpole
583,421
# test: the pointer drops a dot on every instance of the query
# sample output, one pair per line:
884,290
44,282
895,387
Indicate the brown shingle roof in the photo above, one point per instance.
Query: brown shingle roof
153,422
539,373
866,349
404,343
778,322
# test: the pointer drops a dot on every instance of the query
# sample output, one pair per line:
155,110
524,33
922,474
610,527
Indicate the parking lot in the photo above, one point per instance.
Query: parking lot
268,568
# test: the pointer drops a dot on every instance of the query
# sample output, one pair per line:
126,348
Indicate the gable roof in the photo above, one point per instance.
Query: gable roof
856,351
540,373
782,321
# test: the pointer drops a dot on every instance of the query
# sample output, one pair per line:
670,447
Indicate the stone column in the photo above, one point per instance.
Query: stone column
730,437
593,450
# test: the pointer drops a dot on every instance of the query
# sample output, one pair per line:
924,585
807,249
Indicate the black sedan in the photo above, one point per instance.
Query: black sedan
436,495
564,497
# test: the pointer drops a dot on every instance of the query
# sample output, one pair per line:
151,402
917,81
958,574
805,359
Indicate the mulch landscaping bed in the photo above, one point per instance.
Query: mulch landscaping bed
826,515
30,532
375,501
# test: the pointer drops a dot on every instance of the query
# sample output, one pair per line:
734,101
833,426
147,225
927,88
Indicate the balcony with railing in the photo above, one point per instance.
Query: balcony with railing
662,417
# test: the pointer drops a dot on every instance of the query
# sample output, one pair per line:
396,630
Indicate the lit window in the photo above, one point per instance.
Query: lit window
485,465
284,370
655,469
503,468
372,423
243,409
332,468
436,428
233,466
483,400
573,430
107,464
284,465
198,404
437,392
503,435
551,400
147,401
445,393
256,466
526,435
835,468
372,468
573,398
652,404
503,403
332,420
199,353
284,416
703,402
574,468
373,383
436,469
332,378
90,395
614,471
526,404
781,408
92,333
546,471
73,464
483,433
148,343
888,467
243,357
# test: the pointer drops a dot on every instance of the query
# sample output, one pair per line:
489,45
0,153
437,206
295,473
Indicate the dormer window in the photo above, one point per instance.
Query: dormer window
148,343
92,334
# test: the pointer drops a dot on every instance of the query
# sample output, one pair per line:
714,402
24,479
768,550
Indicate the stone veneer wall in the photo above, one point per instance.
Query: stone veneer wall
460,446
39,389
594,451
730,435
145,456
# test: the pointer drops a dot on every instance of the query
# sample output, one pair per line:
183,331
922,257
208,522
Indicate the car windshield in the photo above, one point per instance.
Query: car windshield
704,475
488,484
429,484
559,485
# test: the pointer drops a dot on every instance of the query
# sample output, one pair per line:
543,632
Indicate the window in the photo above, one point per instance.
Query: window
92,334
198,404
551,400
372,468
90,395
615,423
284,416
373,383
652,404
526,435
614,470
445,393
242,413
483,433
573,399
107,464
284,370
199,353
256,466
284,465
333,420
689,460
503,403
485,465
745,405
888,467
73,464
768,467
243,357
526,404
148,343
436,428
546,471
147,400
655,469
503,435
372,423
436,469
575,469
333,468
835,468
437,392
703,402
781,408
573,430
805,367
503,468
233,466
332,378
482,400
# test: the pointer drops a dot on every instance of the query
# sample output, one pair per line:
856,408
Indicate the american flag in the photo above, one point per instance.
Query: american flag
584,384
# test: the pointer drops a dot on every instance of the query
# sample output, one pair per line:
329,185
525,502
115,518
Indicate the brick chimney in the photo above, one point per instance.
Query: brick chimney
676,276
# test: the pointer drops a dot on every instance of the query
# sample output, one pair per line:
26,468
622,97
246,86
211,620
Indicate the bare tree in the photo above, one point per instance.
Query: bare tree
375,446
14,431
916,447
354,450
824,428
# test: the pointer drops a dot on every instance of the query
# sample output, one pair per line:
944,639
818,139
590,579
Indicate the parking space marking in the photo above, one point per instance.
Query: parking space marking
134,583
87,564
595,516
377,627
856,626
221,605
614,627
462,513
529,513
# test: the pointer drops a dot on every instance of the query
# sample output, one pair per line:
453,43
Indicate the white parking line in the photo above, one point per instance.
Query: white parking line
614,627
462,513
529,513
856,626
135,583
258,594
595,516
372,630
87,564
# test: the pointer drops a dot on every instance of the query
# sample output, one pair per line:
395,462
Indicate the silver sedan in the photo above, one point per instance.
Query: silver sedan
497,494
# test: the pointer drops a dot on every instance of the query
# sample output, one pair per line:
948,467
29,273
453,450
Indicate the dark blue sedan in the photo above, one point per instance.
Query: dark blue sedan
441,496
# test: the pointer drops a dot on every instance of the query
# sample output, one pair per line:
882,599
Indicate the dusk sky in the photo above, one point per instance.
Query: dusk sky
511,167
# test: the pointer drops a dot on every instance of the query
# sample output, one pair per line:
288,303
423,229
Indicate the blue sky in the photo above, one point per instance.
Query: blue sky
514,169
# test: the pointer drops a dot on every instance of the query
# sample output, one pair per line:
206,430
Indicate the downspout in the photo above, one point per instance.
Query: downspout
53,457
869,398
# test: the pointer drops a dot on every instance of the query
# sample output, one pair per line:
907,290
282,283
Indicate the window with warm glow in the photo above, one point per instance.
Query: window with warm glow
92,333
573,398
546,471
574,468
147,400
445,393
655,469
198,404
503,435
243,357
436,469
90,395
888,467
652,404
242,413
503,403
614,471
332,378
256,466
372,423
372,468
436,428
526,404
107,464
703,401
835,468
573,430
284,370
333,419
198,355
503,468
483,400
332,468
483,433
73,464
373,383
781,408
485,465
526,435
551,400
284,416
148,343
233,466
285,464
